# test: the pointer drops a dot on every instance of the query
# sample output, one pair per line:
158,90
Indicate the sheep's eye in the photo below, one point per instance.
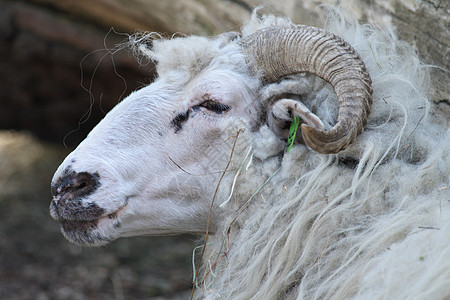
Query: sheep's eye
216,107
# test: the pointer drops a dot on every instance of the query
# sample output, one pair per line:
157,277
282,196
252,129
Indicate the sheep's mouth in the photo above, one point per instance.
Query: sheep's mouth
85,232
73,226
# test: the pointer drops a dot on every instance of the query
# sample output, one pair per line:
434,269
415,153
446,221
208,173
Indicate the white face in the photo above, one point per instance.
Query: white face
137,171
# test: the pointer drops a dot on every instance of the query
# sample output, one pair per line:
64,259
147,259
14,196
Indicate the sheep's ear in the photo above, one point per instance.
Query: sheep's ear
281,114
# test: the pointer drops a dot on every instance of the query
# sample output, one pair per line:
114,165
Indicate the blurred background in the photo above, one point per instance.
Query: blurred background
61,72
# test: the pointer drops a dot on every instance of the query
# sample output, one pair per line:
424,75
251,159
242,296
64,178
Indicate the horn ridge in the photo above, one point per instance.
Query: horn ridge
275,52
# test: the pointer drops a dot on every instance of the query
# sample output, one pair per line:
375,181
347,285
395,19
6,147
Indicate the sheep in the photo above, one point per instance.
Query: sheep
358,208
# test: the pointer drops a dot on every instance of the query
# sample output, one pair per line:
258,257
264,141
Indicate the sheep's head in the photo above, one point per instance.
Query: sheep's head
148,167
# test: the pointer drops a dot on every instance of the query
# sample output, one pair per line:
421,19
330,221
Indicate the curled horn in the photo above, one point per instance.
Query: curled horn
275,52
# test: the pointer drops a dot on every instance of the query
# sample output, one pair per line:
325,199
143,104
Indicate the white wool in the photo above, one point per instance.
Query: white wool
371,222
181,59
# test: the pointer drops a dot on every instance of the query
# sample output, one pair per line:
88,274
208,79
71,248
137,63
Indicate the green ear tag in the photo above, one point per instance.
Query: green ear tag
292,133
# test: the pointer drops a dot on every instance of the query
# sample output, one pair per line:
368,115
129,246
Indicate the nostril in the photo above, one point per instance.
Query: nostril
83,181
70,191
82,184
76,184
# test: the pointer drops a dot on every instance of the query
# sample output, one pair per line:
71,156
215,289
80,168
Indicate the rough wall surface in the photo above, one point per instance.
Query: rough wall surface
50,38
423,23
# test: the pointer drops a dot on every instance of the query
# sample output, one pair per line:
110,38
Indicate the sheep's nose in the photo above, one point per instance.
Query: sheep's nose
69,191
77,185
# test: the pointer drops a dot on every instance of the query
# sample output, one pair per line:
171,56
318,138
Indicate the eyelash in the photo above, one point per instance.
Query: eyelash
211,105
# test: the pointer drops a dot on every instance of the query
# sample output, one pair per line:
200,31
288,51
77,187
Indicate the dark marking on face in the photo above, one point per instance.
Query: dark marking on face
68,193
82,233
178,121
79,226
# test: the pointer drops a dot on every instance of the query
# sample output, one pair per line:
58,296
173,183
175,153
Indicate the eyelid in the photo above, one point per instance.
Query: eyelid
212,105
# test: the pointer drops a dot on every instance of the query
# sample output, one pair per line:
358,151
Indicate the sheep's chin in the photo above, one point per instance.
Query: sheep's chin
96,232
